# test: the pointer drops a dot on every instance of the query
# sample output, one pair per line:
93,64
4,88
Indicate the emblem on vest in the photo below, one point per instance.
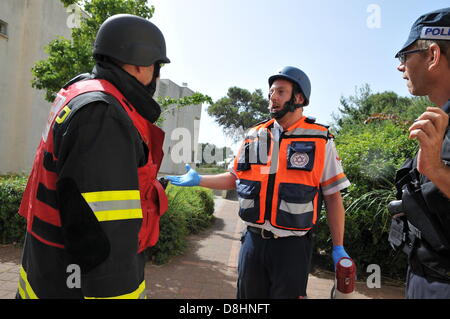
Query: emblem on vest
299,160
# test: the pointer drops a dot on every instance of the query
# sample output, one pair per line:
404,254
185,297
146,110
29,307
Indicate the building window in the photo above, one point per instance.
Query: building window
3,28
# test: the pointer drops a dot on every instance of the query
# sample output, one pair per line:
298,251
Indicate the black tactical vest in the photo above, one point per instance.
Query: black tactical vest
427,212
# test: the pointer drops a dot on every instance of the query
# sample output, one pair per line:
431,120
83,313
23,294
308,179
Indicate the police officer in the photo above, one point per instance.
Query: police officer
284,167
92,202
422,220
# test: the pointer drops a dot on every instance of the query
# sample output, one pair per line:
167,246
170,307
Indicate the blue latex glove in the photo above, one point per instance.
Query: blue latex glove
191,178
338,253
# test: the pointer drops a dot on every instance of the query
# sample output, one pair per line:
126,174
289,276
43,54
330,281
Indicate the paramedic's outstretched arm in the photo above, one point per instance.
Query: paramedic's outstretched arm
192,178
222,181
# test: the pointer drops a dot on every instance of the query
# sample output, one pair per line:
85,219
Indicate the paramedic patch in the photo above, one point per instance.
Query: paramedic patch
299,160
435,33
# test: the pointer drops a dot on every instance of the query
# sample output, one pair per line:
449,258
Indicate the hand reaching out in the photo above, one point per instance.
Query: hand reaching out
191,178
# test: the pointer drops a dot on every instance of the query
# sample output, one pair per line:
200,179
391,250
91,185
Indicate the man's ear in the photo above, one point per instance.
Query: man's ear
435,56
299,98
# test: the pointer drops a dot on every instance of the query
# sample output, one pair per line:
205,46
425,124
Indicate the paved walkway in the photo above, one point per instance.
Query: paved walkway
207,269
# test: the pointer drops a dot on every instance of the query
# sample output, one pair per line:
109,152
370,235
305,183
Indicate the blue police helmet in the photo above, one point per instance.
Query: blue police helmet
297,76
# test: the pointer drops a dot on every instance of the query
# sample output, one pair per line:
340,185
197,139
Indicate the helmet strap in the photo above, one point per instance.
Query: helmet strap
152,85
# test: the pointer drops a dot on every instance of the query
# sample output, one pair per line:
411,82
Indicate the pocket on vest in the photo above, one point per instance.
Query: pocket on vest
295,205
301,156
248,195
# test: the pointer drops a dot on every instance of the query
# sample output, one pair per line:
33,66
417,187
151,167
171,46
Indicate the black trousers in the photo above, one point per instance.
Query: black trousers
273,268
418,287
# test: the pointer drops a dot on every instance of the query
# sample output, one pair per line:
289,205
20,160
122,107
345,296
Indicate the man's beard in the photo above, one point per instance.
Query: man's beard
289,106
280,113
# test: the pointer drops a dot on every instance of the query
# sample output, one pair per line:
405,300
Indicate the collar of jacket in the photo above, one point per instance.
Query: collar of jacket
136,93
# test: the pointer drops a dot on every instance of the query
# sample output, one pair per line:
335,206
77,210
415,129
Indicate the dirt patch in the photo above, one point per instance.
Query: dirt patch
10,253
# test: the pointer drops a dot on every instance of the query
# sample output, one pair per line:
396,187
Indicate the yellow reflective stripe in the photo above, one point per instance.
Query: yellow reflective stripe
28,293
111,195
137,294
66,110
108,215
114,205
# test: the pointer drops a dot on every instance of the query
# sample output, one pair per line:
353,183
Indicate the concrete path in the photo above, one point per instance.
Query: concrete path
207,270
209,267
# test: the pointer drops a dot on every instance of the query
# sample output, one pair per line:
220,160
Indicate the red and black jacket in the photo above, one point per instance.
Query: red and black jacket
93,199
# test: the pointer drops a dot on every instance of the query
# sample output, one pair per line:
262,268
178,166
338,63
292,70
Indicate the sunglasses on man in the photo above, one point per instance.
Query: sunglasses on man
402,55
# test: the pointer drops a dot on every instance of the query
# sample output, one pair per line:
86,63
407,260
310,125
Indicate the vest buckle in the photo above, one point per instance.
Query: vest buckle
271,235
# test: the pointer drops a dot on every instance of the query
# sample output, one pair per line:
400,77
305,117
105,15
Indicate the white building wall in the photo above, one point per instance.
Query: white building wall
181,127
31,25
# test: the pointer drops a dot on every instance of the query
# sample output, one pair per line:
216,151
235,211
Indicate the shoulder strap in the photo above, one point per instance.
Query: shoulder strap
100,85
262,122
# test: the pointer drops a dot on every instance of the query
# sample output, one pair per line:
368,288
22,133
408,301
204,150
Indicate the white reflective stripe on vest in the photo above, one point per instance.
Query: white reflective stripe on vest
115,205
246,203
303,131
295,208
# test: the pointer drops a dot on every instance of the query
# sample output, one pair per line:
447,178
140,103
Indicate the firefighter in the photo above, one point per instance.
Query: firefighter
421,224
92,202
284,168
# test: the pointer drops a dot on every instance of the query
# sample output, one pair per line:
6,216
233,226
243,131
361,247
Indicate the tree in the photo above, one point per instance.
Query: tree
239,111
212,154
372,143
68,58
365,104
167,103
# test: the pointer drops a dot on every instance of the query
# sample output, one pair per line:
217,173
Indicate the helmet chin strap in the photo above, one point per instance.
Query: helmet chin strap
289,106
151,87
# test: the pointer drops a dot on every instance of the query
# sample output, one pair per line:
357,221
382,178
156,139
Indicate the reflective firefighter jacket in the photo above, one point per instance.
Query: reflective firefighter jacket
92,202
280,182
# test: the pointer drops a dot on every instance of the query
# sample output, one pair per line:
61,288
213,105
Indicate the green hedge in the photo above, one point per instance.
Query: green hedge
190,211
12,225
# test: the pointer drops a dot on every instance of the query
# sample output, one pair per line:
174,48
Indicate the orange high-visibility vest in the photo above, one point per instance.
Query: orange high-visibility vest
280,182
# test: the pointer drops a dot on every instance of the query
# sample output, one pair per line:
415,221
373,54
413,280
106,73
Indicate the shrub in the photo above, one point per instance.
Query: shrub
370,154
12,225
190,211
172,236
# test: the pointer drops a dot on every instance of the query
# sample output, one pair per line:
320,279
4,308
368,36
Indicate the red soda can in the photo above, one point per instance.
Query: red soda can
345,275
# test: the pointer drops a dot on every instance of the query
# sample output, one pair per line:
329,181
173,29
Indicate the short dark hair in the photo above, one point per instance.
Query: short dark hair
297,90
443,45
